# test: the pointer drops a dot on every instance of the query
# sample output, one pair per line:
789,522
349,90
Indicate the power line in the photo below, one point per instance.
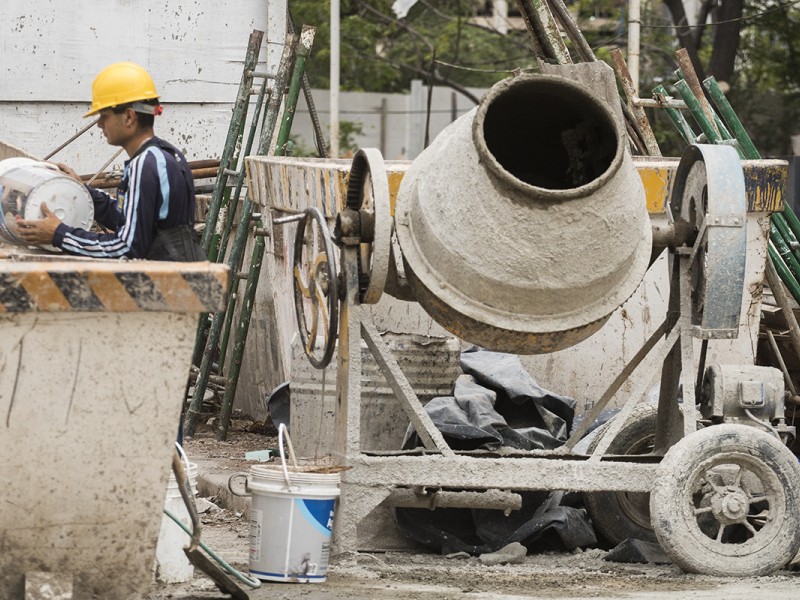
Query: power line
476,70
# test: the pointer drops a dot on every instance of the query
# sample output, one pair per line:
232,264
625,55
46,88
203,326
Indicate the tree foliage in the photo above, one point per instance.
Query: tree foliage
753,46
379,53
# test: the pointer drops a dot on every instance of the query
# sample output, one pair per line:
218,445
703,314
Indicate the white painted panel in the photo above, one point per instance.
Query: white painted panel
194,49
197,129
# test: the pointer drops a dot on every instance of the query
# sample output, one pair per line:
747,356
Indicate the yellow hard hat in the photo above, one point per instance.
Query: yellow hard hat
121,83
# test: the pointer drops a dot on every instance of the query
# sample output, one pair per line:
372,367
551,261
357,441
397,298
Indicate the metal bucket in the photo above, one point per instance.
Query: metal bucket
25,184
523,226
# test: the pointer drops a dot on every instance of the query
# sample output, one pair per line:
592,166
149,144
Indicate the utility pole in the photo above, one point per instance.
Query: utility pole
334,79
634,22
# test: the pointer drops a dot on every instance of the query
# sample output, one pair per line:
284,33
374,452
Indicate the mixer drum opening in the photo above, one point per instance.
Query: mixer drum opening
548,135
523,226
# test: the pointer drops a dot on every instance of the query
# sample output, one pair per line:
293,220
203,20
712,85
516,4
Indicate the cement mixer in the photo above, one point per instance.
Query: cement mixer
521,229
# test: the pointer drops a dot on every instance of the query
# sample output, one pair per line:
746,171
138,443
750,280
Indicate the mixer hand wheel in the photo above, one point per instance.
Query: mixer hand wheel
316,297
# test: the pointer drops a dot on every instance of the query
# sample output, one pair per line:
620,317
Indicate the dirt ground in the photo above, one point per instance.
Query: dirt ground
422,575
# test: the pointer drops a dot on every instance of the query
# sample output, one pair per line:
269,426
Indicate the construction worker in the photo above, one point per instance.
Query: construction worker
153,215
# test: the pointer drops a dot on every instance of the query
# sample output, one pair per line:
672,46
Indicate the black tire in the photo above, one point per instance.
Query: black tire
726,502
618,516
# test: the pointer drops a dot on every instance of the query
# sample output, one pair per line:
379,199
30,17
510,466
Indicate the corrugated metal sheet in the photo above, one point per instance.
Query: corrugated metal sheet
429,363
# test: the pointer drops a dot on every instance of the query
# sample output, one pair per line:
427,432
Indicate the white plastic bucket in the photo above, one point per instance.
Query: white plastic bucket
171,564
291,520
25,184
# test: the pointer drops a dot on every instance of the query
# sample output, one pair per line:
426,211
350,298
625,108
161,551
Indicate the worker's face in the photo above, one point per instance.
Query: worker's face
117,127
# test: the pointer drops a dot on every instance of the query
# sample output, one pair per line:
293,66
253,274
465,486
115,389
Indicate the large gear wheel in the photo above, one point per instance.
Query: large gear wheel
368,193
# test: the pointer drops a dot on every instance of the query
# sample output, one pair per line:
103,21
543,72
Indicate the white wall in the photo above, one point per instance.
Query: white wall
194,50
401,117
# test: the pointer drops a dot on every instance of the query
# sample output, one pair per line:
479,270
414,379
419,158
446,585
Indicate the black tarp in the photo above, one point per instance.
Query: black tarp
497,403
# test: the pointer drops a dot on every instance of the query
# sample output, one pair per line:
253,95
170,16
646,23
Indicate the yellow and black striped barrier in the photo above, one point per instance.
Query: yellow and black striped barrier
113,286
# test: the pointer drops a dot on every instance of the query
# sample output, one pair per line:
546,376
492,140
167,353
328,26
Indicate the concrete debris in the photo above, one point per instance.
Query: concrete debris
513,553
459,555
204,505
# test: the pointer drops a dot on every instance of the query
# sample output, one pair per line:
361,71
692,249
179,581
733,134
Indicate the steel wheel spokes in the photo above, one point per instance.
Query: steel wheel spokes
315,288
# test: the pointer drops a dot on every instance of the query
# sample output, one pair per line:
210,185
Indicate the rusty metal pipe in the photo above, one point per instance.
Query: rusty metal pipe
112,182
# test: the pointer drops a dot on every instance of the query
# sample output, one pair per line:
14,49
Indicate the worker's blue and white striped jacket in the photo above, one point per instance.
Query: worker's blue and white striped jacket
157,190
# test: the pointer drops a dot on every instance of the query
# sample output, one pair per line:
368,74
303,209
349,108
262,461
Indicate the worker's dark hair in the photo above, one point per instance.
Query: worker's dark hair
145,120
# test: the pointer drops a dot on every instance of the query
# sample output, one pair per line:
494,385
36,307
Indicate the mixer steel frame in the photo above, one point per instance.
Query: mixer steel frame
373,478
436,476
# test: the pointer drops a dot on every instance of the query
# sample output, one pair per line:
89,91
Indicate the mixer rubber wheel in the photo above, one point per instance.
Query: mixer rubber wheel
618,516
316,296
726,502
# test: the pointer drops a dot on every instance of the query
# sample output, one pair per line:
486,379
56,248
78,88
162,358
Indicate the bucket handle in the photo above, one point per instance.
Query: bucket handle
183,455
283,434
231,481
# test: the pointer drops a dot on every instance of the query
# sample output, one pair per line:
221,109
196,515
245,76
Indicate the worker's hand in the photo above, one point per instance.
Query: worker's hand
68,171
38,231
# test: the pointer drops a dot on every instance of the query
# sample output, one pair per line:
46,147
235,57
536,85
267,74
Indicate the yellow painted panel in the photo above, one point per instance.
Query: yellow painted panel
657,187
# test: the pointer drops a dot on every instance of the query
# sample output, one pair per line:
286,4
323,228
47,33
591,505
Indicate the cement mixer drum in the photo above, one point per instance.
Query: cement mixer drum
523,226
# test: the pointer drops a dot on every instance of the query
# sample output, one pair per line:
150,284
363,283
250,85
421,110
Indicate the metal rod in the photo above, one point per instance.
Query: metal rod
782,301
274,104
677,118
541,26
776,351
783,272
690,76
777,237
303,48
103,181
658,103
72,139
700,117
430,436
725,108
289,219
572,30
615,385
628,87
103,168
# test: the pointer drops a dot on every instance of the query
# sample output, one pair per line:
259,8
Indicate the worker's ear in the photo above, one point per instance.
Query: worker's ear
130,117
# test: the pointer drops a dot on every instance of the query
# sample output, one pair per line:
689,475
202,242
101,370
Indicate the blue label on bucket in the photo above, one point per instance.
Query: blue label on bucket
318,512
